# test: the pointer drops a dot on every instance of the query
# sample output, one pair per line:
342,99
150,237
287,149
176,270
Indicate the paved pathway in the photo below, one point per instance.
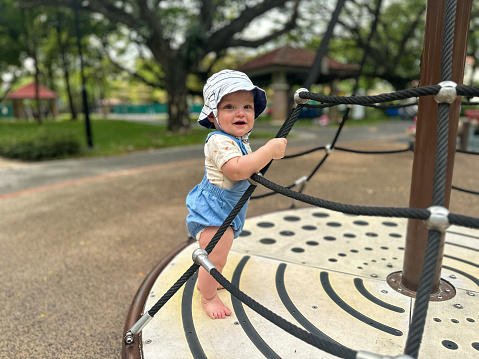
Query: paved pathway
79,236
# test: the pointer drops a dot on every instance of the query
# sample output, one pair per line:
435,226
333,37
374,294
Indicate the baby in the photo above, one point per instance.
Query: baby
232,103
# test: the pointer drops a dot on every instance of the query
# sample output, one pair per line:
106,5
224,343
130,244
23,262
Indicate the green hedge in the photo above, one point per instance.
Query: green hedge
42,145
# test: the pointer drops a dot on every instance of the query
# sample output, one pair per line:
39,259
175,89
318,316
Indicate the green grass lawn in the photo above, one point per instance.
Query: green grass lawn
110,137
114,137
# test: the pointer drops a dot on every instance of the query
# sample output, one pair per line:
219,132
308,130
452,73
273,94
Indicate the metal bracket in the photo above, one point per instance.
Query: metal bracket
298,100
438,219
447,93
137,327
200,257
367,355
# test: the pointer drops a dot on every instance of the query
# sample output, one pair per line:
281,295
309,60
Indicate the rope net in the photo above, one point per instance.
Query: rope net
426,282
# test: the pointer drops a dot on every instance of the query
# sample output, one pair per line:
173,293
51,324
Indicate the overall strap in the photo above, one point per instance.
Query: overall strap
238,141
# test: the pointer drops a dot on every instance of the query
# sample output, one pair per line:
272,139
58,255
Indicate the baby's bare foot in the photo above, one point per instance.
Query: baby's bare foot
215,308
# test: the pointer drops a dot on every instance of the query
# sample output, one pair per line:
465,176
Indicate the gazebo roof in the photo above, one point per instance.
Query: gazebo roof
28,92
296,62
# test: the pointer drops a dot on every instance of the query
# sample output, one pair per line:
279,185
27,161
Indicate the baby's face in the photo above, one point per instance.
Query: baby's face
236,113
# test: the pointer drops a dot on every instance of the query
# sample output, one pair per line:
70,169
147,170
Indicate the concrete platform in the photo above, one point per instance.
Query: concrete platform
325,272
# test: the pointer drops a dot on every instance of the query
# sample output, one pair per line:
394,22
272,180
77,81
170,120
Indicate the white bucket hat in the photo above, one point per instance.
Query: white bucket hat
223,83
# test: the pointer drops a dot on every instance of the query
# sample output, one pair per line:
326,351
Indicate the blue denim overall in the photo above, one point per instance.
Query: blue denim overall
209,205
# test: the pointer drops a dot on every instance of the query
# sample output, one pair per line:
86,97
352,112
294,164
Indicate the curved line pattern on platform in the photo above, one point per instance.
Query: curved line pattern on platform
289,305
359,284
324,276
467,275
187,316
243,319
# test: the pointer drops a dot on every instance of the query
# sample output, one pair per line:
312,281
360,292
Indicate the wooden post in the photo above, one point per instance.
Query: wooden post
424,152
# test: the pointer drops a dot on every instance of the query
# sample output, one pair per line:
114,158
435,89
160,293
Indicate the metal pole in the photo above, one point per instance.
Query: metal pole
83,91
424,151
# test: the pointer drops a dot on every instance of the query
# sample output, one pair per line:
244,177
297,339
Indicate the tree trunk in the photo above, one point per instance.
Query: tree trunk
38,112
178,113
66,73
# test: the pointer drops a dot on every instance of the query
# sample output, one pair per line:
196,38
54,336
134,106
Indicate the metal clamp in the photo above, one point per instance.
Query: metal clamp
328,148
298,100
301,180
447,93
438,219
367,355
137,328
200,257
129,338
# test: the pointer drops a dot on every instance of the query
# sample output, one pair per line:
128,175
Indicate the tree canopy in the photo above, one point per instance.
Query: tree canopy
179,35
174,45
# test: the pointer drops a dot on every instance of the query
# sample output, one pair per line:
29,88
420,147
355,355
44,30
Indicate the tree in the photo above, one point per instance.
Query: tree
11,38
64,37
180,34
394,54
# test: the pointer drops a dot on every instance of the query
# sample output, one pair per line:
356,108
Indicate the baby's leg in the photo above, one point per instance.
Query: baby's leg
212,304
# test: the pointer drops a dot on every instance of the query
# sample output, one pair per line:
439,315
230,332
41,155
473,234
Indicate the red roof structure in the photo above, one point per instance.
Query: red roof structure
28,92
296,63
47,100
288,66
283,56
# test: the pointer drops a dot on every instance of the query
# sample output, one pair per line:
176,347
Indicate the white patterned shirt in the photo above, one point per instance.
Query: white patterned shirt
218,150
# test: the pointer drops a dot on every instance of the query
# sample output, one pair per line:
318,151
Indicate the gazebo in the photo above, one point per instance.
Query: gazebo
287,66
27,92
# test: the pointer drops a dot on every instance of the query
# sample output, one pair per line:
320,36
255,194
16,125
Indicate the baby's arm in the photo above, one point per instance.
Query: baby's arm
242,167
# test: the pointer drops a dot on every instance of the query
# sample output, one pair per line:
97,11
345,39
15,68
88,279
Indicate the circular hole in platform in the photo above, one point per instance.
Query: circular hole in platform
268,241
475,345
287,233
245,234
437,320
342,254
297,250
309,228
390,224
368,248
371,234
449,344
320,214
334,224
291,218
401,248
312,243
349,235
332,260
385,248
361,223
354,251
265,224
395,235
329,238
455,321
470,320
360,267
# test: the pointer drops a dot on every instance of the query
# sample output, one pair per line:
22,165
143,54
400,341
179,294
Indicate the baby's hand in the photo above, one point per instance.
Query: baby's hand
277,147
